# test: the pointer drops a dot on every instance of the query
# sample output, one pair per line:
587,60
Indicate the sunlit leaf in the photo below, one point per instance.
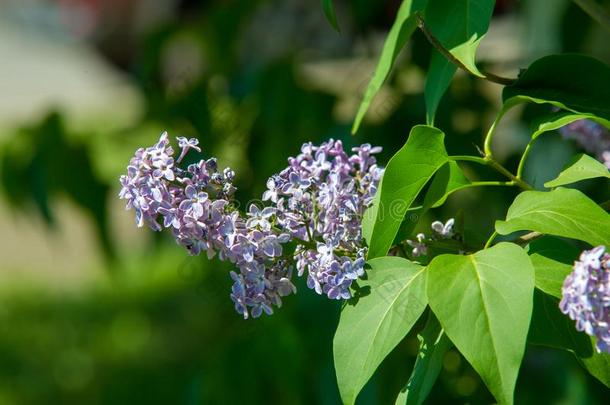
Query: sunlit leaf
561,212
391,300
581,167
484,303
405,175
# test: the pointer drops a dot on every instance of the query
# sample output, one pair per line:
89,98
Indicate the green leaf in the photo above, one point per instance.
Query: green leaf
370,329
459,25
555,120
484,303
552,259
575,82
433,344
549,327
448,179
561,212
405,175
581,167
559,119
329,12
439,76
598,365
399,34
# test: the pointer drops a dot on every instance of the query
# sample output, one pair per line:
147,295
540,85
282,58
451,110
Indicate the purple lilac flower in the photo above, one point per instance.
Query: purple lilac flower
197,205
319,200
186,145
591,136
586,296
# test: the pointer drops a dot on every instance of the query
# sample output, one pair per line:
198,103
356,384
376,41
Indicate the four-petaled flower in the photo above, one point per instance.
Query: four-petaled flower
195,202
186,145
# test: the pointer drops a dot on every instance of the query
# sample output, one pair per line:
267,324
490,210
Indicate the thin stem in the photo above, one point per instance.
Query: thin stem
492,183
492,131
526,153
501,169
490,240
449,56
595,11
491,162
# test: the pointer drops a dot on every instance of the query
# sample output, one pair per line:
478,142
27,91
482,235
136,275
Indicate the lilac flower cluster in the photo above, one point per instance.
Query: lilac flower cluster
586,296
591,136
320,199
317,201
439,231
196,204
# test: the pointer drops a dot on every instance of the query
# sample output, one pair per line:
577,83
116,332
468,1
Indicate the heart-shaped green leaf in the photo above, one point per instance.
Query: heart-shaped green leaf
393,298
484,303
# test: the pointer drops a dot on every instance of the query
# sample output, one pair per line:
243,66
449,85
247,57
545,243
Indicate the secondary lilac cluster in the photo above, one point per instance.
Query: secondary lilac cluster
586,296
317,201
196,204
320,199
591,136
439,231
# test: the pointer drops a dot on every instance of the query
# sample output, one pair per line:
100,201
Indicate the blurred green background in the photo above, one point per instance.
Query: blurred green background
95,311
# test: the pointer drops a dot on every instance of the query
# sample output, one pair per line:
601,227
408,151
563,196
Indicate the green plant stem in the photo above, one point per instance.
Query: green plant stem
492,183
524,156
449,56
595,11
490,133
490,240
501,169
491,162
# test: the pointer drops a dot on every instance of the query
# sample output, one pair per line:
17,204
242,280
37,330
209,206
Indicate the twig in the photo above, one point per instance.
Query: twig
449,56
